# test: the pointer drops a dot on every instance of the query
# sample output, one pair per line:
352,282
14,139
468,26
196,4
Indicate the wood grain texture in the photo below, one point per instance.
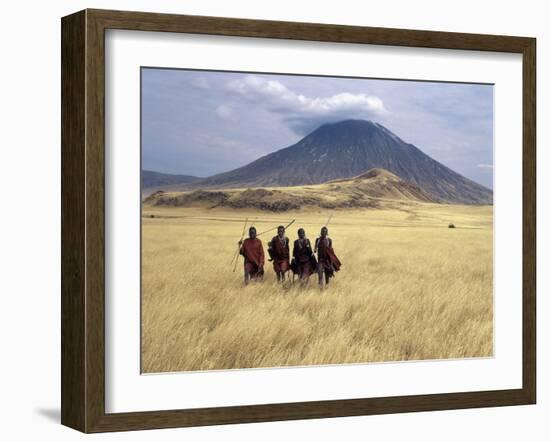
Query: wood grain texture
145,21
83,220
95,221
73,128
529,221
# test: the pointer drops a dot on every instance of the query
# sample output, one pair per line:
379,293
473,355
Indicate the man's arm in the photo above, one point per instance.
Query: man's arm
309,252
241,247
270,250
262,255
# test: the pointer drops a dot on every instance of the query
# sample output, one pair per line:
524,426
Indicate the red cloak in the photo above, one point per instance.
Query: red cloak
326,257
279,251
304,259
253,252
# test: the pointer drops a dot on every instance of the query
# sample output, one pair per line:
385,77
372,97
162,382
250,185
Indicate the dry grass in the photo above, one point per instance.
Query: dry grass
410,288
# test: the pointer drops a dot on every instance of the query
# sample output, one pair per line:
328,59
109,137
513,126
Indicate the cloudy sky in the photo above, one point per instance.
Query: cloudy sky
202,123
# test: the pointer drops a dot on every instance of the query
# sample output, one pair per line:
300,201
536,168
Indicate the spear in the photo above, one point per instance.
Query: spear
273,228
236,256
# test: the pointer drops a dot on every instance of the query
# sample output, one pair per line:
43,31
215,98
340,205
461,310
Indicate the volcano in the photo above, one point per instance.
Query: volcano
347,149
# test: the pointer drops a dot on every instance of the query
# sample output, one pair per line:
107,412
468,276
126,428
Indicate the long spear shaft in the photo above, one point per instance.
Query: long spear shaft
236,260
289,224
236,256
274,228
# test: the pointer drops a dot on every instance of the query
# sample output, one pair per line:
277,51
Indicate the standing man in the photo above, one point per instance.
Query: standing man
327,261
304,259
253,251
279,252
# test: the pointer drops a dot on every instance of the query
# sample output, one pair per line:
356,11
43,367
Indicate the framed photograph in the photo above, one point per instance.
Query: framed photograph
268,220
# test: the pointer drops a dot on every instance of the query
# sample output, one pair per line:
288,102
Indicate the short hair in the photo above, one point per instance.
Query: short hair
252,228
324,228
281,227
301,230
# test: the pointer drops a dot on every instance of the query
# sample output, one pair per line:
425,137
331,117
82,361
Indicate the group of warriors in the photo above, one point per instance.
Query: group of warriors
303,263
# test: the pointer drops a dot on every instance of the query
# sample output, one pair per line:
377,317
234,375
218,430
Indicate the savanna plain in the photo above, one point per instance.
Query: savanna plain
410,288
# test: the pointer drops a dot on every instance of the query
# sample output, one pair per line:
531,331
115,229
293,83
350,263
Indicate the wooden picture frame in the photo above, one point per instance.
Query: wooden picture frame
83,220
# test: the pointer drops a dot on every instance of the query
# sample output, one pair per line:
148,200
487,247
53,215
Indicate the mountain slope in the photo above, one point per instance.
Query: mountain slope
150,179
367,190
347,149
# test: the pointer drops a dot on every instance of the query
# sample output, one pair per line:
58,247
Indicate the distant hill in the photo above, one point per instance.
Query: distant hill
367,190
345,149
151,179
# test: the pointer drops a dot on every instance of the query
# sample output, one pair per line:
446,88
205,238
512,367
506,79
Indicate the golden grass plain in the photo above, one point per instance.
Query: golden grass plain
410,288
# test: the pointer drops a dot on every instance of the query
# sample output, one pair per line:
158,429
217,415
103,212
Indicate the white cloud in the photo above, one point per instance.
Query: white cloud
303,113
224,112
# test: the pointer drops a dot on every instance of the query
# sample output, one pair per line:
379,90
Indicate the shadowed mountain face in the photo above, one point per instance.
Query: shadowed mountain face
346,149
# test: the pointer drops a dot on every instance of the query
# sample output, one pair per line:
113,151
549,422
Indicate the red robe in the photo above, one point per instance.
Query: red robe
304,258
253,252
327,259
279,251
